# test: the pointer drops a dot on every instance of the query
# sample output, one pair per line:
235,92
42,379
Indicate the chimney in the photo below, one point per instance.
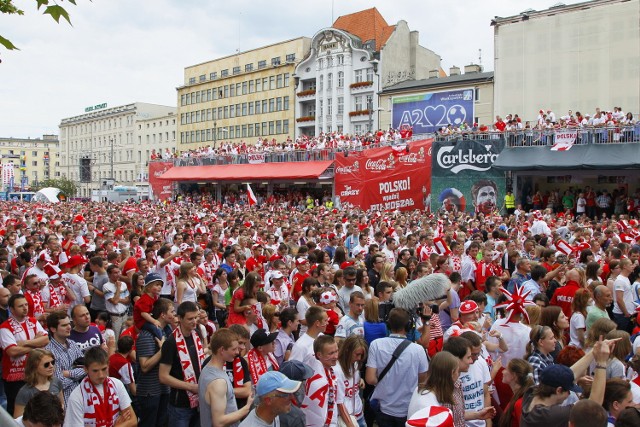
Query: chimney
454,71
472,68
433,74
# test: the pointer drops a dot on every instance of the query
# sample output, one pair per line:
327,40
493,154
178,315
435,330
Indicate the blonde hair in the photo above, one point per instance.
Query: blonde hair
534,311
31,366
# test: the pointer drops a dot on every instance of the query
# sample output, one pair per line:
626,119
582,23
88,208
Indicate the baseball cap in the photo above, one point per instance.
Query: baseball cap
431,416
296,370
277,274
276,381
301,260
152,277
468,306
559,376
260,337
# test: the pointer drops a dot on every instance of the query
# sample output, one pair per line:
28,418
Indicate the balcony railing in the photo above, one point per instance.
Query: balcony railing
546,137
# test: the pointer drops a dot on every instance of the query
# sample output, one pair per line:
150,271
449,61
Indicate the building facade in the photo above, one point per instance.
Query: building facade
480,83
348,64
240,98
32,160
577,57
110,143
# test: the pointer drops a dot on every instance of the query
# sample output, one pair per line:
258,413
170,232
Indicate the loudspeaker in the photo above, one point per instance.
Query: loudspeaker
85,169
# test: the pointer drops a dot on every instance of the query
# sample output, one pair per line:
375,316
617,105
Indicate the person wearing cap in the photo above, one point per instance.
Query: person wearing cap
278,290
468,320
274,392
297,371
217,402
541,405
142,317
284,341
76,281
260,357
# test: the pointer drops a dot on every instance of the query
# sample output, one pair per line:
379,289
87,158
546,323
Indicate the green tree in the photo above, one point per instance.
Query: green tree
51,8
67,186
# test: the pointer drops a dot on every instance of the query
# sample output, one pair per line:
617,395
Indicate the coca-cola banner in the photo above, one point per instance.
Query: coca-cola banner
463,177
161,188
386,178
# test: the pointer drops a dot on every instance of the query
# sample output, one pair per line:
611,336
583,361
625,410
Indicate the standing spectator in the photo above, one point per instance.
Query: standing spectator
43,410
539,349
84,333
75,281
180,364
604,203
603,298
260,357
351,357
275,391
153,397
476,383
393,391
217,401
117,299
296,371
66,352
623,304
353,322
350,278
99,400
120,364
284,341
563,296
100,277
317,320
19,334
38,377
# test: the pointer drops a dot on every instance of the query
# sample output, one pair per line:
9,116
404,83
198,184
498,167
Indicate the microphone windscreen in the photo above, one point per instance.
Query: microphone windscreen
427,288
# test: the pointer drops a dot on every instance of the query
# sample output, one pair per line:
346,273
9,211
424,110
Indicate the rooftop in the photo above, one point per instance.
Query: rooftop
367,25
440,81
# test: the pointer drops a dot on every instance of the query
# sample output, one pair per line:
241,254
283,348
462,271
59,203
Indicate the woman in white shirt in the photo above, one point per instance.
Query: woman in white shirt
353,353
577,325
438,389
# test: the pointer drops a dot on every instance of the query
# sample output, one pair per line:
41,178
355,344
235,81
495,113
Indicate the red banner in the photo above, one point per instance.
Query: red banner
385,178
161,188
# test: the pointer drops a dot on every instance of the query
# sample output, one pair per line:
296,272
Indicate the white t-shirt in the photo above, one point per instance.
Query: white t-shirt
473,383
74,410
303,350
622,284
349,326
516,336
302,306
79,287
109,290
318,398
352,400
420,400
577,322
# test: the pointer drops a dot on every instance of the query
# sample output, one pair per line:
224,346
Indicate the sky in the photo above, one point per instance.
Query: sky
123,51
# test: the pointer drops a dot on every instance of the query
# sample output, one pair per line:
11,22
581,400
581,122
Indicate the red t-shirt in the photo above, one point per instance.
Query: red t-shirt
333,322
563,297
132,332
298,278
131,264
143,305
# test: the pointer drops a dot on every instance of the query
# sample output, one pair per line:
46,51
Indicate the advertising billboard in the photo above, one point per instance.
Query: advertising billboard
428,112
161,188
386,178
462,176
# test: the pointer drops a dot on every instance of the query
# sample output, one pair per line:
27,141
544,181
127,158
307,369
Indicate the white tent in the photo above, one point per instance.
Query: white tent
49,195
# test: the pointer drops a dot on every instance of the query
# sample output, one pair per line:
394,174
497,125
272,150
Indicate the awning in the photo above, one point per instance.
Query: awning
589,156
248,172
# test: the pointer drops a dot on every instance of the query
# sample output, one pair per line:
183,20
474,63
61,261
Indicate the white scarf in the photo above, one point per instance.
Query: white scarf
100,411
185,360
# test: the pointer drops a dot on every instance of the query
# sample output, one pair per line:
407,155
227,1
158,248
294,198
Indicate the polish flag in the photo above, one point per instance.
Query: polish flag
251,196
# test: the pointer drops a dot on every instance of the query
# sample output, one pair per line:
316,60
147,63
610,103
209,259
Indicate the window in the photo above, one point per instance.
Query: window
291,57
275,61
340,105
203,78
226,112
258,85
340,59
329,81
358,76
272,82
251,108
264,106
249,130
340,79
252,86
236,70
285,126
258,107
286,79
285,103
279,81
278,104
257,129
272,105
192,80
271,128
209,91
232,90
238,89
264,128
248,67
213,76
320,64
244,131
370,74
182,101
321,82
320,108
224,73
244,88
231,132
232,111
197,97
226,91
477,95
244,108
369,102
329,106
262,64
329,61
278,126
34,163
358,103
265,83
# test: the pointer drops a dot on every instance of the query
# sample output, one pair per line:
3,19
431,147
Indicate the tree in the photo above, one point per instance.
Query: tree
54,10
67,186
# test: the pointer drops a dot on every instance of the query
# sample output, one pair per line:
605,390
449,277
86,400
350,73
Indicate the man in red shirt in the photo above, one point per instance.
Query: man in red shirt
500,124
302,264
563,296
256,262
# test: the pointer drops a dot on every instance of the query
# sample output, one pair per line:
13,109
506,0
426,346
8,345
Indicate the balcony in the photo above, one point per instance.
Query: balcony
361,86
359,115
306,121
309,93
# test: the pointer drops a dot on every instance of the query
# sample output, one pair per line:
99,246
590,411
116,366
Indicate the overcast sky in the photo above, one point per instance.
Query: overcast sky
123,51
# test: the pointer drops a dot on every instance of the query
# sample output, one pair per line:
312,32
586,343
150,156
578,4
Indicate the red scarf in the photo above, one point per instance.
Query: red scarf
16,371
333,391
238,373
100,412
188,370
36,298
56,299
258,364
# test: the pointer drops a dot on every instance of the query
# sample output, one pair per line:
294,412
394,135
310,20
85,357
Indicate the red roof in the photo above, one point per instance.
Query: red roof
248,172
367,25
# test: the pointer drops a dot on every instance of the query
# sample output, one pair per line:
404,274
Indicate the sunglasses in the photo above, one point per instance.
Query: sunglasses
50,363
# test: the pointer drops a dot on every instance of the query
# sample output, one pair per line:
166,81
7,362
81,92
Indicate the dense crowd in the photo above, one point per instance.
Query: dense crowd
190,313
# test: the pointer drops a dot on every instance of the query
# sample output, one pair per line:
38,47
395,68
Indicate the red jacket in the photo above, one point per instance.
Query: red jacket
563,297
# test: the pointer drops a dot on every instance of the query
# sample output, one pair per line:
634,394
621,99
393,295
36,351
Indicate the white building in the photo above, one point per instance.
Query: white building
112,143
575,57
348,64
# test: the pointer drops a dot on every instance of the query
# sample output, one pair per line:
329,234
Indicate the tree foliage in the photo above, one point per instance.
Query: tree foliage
67,186
51,8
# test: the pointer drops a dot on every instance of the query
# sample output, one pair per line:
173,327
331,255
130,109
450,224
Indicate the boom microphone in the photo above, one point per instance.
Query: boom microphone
428,288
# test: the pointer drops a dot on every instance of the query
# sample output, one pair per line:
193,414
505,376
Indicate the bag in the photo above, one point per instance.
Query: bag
354,421
374,404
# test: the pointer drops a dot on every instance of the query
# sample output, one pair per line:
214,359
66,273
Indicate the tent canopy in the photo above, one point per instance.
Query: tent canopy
248,172
589,156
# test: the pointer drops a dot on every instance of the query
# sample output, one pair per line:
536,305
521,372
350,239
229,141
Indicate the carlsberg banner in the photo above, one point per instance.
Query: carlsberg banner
462,176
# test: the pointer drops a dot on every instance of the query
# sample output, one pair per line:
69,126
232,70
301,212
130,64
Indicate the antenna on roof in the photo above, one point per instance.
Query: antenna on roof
479,56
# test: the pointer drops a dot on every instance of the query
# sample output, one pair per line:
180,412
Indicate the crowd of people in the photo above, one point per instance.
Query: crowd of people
193,314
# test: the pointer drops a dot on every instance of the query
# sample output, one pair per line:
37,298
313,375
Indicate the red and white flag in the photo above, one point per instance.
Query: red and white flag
251,196
564,140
